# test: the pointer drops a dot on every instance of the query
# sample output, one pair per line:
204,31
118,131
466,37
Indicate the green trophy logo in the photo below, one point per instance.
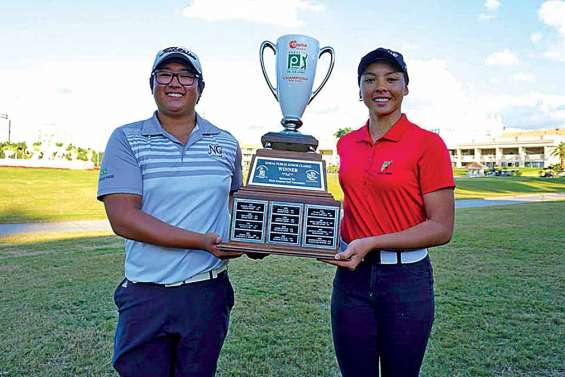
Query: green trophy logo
297,61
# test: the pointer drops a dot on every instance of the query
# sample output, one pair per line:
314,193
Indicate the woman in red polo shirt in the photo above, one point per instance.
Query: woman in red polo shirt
398,201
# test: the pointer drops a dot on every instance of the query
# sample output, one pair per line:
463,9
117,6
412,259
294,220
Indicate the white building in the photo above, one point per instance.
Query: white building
510,149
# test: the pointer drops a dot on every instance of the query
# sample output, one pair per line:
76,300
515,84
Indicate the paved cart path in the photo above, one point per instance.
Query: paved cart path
63,226
103,225
505,200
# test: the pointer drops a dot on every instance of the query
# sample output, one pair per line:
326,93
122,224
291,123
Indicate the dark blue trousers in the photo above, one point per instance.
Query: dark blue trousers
382,313
171,332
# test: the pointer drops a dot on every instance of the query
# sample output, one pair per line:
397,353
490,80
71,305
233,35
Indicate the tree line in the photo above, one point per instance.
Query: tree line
49,151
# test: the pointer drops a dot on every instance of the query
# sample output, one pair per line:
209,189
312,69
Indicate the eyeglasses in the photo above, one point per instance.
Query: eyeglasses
166,77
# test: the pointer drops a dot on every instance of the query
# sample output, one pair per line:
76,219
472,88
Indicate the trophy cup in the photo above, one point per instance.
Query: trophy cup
285,207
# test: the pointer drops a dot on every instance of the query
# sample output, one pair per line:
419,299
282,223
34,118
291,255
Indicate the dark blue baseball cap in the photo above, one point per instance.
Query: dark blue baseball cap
382,54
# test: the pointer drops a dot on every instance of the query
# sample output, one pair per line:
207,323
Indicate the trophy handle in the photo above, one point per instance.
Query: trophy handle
330,51
270,45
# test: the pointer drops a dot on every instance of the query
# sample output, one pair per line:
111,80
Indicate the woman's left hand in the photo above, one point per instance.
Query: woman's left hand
353,255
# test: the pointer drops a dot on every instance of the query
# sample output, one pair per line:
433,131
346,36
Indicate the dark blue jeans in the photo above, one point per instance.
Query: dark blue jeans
382,313
171,332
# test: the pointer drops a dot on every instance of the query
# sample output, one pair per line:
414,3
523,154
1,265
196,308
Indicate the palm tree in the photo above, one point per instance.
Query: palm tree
560,152
342,131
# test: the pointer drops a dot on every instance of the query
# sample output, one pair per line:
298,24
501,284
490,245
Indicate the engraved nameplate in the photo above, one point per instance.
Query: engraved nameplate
248,223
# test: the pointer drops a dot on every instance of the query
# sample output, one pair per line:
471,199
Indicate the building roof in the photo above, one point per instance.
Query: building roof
534,133
514,139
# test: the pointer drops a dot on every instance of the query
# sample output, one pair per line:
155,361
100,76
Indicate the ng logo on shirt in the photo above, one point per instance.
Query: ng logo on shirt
215,150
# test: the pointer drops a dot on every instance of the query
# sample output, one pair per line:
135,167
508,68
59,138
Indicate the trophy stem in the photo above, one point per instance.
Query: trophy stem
291,124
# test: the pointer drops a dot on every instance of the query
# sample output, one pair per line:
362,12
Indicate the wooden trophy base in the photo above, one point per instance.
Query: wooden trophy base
285,208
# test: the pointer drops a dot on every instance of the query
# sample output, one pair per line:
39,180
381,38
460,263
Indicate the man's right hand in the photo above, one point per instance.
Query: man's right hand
210,242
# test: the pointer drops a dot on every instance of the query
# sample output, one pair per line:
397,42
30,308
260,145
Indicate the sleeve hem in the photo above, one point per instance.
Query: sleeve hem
117,190
438,187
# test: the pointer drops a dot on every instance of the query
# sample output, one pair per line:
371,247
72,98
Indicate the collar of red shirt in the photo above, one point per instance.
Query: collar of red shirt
394,134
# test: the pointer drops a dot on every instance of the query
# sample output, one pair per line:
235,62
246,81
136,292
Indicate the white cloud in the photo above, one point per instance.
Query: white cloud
529,111
522,76
77,100
536,37
552,13
502,58
437,98
492,5
280,13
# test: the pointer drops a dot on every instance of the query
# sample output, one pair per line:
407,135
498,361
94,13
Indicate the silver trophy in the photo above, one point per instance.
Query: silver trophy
296,59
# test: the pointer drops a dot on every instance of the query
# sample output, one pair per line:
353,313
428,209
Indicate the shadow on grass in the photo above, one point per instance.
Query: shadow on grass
17,215
13,215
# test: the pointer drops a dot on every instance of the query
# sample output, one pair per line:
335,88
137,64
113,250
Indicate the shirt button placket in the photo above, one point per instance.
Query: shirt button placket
369,164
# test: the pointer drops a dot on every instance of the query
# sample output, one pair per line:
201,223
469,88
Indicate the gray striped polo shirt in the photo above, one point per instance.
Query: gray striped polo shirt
185,185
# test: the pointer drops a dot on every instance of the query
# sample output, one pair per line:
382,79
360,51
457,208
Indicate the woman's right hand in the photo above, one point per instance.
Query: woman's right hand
353,255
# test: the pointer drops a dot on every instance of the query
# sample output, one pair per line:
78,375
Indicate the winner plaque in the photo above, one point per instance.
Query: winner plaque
285,207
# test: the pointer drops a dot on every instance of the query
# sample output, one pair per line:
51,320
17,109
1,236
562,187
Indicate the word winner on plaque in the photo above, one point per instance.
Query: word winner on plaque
290,173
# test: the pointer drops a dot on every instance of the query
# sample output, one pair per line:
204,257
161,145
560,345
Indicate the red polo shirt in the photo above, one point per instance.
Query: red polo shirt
384,182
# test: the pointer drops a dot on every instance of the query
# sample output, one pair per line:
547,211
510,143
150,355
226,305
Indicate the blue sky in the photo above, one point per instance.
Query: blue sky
475,66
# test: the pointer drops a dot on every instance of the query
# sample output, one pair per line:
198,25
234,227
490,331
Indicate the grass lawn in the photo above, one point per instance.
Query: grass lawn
499,303
487,187
33,195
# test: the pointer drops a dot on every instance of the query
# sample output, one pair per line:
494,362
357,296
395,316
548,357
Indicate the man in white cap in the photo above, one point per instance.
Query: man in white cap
166,184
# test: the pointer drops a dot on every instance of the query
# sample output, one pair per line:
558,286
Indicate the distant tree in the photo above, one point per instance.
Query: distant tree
22,152
15,150
560,152
554,169
96,158
71,152
341,132
82,154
